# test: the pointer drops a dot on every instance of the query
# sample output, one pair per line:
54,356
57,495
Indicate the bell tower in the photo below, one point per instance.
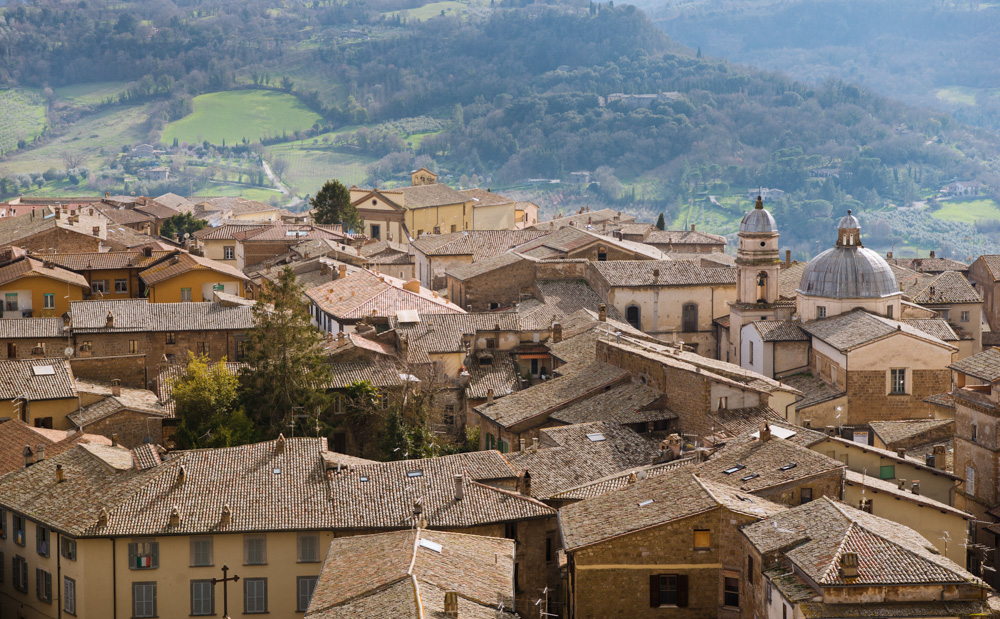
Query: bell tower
757,258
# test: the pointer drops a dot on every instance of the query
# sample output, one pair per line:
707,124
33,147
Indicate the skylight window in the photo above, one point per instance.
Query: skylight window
429,545
750,476
596,437
733,469
417,473
43,370
646,502
788,467
744,498
364,478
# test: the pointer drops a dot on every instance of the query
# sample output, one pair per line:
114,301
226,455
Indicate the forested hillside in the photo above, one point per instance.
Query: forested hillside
492,94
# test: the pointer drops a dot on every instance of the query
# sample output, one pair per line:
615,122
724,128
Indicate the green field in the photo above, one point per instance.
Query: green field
237,114
428,11
22,117
107,130
968,211
309,167
89,94
957,94
214,189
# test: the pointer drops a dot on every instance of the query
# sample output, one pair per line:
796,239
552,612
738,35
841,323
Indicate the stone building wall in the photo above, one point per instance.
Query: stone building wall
131,427
129,369
868,398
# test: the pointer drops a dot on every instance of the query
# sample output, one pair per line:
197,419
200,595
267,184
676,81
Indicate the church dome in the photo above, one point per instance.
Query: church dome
758,220
848,271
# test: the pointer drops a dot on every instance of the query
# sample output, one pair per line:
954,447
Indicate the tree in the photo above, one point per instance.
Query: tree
206,397
184,223
285,369
661,223
332,205
72,160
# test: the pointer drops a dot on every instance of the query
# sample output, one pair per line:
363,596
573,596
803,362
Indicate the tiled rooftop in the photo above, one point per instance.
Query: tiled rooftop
573,455
789,279
15,435
99,261
619,480
947,287
780,331
184,263
662,273
554,394
889,488
480,244
753,465
501,375
612,219
818,533
14,328
366,575
985,365
36,379
366,293
814,389
895,431
684,237
31,267
848,331
444,333
133,315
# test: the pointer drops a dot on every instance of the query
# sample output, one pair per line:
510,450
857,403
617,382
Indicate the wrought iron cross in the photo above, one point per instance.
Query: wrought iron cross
225,588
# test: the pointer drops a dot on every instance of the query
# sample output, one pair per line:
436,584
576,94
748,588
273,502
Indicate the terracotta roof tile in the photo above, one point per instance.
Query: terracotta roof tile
480,244
984,366
36,379
780,331
15,328
856,328
184,263
31,267
619,480
365,293
668,273
501,375
133,315
765,464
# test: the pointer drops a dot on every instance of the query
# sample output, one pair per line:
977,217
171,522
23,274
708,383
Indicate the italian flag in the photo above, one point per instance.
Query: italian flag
144,561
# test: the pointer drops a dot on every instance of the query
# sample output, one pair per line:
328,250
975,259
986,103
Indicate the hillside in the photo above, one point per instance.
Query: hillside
507,96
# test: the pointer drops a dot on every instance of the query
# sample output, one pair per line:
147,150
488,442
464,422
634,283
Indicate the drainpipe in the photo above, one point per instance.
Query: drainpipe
59,596
114,580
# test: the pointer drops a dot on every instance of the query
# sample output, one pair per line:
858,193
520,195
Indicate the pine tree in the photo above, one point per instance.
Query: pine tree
661,223
332,205
285,371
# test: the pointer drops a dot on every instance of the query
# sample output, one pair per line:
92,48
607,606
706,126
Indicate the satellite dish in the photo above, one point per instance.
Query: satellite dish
187,235
69,352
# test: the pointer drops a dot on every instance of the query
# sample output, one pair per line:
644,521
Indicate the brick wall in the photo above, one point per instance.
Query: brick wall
62,241
130,369
131,427
503,288
867,399
22,347
829,484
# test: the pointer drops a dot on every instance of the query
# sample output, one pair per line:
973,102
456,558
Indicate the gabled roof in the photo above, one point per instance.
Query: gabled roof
559,301
789,278
577,454
15,435
134,315
624,404
110,260
26,328
445,333
554,394
480,244
567,240
502,375
889,488
128,399
36,379
992,263
31,267
427,196
757,465
621,479
633,273
929,265
816,535
780,331
464,272
813,388
684,237
366,293
946,287
183,263
592,218
985,365
485,197
857,328
649,503
291,233
405,574
226,231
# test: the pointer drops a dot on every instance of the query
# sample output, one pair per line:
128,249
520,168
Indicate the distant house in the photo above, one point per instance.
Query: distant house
159,173
143,150
764,193
963,188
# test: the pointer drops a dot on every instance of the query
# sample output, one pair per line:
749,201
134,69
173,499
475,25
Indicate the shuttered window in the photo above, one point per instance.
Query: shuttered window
668,590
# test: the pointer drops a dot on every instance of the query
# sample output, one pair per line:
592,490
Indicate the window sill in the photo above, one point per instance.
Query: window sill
203,565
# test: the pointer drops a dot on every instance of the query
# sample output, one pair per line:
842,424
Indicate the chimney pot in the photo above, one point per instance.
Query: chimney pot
279,445
849,565
459,487
110,320
602,312
656,274
932,253
788,257
765,433
29,456
489,397
181,474
888,255
522,443
227,515
526,483
556,333
116,387
114,439
40,452
902,484
901,452
916,486
692,227
342,271
60,476
534,444
175,518
95,231
102,518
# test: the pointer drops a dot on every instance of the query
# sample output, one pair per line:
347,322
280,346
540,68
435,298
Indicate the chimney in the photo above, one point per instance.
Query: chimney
279,445
556,333
534,444
888,255
602,312
932,253
939,456
692,227
412,286
901,452
60,476
674,444
114,439
102,518
522,442
418,508
459,487
110,321
175,518
40,452
916,486
489,397
656,275
342,271
227,516
788,257
29,456
451,604
902,484
48,264
147,251
765,433
181,474
58,213
116,387
849,565
526,483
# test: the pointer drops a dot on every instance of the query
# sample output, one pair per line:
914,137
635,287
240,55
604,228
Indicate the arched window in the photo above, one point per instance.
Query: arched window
689,317
632,316
762,287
